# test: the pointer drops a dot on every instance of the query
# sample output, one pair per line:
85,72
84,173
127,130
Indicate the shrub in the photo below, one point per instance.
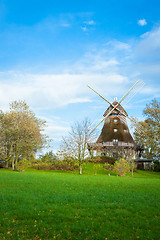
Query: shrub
67,165
157,166
108,166
49,157
101,159
122,167
22,165
96,167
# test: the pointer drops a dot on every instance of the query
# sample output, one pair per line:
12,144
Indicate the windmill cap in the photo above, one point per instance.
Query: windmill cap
120,112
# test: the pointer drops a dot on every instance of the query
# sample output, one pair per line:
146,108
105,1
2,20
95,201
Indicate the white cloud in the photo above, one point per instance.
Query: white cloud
57,130
147,57
52,91
91,22
65,25
118,45
145,34
84,29
151,90
150,44
87,25
142,22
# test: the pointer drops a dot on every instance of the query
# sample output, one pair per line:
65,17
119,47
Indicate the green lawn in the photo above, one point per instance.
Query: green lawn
65,205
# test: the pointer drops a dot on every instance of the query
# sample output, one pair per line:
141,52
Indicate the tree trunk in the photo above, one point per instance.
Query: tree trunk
132,171
13,167
80,169
6,164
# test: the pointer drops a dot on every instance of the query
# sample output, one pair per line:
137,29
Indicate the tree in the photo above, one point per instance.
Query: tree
132,166
147,132
48,157
75,144
20,133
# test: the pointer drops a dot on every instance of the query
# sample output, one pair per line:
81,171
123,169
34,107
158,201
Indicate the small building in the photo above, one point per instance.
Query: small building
144,164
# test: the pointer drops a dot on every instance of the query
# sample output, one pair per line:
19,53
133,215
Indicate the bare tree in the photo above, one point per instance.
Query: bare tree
75,144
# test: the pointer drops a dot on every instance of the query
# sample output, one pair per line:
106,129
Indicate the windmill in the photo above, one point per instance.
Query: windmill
115,139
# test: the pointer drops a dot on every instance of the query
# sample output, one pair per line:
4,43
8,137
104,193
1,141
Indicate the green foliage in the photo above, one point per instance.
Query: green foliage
157,166
147,132
50,205
22,165
20,133
49,157
101,159
109,167
122,167
63,165
96,167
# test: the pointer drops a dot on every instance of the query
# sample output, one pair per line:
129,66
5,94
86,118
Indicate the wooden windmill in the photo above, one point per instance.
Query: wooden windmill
115,139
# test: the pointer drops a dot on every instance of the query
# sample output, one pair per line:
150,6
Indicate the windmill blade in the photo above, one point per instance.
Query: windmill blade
99,94
122,98
134,92
102,120
129,91
132,119
105,99
114,106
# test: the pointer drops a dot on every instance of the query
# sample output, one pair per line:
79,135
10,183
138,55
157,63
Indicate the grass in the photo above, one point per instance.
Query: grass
65,205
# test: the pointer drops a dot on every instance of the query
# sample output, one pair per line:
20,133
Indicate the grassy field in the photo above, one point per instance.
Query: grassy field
65,205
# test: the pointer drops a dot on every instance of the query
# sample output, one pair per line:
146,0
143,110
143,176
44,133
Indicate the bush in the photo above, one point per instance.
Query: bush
122,167
22,165
108,166
96,167
66,165
157,166
101,159
49,157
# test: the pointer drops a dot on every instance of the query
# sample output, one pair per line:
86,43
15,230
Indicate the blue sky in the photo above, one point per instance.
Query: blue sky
50,50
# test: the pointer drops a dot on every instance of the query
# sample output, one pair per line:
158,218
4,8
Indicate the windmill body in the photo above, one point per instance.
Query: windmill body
115,139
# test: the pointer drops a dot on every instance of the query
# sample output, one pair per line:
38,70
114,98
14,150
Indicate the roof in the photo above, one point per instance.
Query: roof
144,160
115,111
115,127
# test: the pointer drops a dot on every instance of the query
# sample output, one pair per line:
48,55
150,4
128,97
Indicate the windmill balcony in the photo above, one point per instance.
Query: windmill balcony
111,144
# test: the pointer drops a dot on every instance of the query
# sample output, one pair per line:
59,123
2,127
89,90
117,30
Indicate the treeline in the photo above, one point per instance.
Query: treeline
22,135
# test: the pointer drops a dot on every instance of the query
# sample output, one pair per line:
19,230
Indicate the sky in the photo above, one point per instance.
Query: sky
51,50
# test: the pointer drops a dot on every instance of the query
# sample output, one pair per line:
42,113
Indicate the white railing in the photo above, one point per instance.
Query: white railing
108,144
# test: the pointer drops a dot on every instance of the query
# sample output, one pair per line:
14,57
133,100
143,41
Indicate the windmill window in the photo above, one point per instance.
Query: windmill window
115,130
125,130
115,120
115,141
